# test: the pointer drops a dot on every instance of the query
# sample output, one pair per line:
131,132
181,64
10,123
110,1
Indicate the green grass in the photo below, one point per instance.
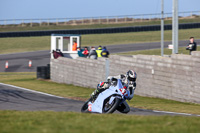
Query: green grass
28,80
68,122
91,26
23,44
167,51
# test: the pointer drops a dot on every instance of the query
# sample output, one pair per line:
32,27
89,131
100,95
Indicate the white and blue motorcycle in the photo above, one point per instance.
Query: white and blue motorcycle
107,101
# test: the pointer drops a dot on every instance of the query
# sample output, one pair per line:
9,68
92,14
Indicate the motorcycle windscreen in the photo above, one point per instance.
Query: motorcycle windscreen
97,106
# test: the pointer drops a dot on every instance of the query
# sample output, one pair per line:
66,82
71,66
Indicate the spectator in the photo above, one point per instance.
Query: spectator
74,47
93,53
105,52
80,52
85,52
58,50
57,53
192,46
99,51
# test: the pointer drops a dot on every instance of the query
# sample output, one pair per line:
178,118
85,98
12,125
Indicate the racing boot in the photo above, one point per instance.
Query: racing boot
94,94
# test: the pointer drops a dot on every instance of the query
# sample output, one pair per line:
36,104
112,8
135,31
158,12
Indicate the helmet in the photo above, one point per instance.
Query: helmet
131,75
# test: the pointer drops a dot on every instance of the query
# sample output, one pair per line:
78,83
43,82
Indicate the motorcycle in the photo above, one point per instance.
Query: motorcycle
107,101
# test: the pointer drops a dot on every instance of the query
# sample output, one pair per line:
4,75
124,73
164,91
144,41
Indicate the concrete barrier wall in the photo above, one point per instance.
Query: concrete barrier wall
176,78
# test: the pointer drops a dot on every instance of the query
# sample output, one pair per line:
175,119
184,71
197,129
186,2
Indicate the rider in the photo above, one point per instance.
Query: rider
128,81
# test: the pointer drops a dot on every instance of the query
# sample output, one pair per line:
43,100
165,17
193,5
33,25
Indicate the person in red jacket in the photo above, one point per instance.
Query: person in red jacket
86,52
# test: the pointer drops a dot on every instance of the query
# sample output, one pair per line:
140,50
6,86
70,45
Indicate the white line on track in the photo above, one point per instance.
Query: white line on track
175,113
31,90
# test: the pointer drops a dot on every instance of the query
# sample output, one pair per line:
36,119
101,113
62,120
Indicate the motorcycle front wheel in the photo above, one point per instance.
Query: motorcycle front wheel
84,108
110,107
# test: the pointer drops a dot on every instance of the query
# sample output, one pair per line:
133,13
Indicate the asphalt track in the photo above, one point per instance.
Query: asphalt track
22,99
19,62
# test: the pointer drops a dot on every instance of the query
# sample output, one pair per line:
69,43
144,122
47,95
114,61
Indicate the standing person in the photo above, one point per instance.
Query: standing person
192,46
93,53
80,52
99,50
105,52
85,52
74,47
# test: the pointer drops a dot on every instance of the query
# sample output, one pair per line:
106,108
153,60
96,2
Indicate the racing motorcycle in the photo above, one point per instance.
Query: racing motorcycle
107,101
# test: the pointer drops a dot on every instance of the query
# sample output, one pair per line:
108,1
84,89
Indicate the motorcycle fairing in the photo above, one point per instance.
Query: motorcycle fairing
97,105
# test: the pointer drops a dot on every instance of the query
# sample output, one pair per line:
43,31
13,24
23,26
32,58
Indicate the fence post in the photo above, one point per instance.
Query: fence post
31,24
48,22
56,21
65,21
22,22
5,22
107,65
116,19
107,20
142,18
99,20
74,22
13,21
91,21
40,22
82,21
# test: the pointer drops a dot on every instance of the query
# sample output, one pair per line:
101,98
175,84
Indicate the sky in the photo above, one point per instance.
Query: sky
33,9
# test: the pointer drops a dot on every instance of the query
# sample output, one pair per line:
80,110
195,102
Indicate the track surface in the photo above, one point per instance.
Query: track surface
19,62
16,98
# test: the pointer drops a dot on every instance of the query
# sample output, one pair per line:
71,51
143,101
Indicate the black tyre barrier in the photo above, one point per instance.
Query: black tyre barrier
97,31
43,72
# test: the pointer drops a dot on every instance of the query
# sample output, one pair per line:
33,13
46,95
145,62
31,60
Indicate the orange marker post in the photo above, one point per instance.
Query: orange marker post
30,63
6,65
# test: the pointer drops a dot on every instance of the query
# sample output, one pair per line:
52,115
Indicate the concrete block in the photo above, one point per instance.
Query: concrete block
196,53
181,57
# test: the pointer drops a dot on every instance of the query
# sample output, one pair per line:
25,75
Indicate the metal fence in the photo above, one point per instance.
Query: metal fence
95,20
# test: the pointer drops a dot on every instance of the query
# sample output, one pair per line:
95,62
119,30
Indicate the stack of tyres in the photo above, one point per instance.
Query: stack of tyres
43,72
48,71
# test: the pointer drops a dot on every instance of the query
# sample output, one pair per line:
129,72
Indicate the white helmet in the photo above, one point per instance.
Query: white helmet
132,76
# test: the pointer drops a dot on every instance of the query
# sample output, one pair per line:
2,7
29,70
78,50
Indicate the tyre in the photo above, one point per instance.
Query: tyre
110,108
84,108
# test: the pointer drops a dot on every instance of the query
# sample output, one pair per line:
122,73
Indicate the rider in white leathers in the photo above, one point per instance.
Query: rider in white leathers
129,83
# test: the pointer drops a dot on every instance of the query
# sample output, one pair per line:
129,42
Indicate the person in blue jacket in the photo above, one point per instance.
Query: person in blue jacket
105,52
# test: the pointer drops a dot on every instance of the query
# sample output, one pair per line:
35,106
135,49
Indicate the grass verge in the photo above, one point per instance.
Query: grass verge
28,80
68,122
167,51
23,44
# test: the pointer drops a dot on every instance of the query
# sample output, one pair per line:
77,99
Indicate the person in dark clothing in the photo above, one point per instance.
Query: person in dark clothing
192,46
93,53
58,50
105,52
57,53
